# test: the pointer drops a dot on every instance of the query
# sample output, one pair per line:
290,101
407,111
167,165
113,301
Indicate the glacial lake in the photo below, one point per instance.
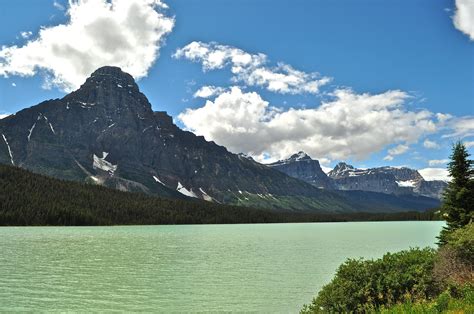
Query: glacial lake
259,267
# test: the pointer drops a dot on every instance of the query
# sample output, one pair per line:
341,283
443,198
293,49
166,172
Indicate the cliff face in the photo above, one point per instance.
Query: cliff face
301,166
390,180
387,180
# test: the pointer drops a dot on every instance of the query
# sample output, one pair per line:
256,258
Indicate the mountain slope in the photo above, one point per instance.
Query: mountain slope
33,199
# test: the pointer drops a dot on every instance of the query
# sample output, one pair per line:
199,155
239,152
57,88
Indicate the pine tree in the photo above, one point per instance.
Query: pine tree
458,199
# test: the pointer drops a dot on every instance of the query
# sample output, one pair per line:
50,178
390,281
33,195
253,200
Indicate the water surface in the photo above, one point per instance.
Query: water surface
259,267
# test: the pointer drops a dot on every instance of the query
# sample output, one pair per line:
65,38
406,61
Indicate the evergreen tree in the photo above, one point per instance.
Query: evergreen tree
458,199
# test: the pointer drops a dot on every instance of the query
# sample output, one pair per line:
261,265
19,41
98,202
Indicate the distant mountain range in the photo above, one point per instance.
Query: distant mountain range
107,133
388,180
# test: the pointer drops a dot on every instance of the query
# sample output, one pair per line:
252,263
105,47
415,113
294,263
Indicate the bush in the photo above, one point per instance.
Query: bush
459,301
366,285
454,264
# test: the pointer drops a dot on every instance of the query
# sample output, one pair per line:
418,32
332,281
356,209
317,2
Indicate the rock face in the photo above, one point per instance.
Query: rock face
107,133
301,166
432,189
390,180
344,177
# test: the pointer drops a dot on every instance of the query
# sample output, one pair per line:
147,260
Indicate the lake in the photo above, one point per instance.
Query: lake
259,267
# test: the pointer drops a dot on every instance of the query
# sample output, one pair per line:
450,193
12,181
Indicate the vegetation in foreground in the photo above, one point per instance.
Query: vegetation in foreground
416,280
31,199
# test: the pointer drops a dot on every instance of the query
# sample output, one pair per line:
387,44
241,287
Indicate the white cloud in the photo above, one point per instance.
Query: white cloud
125,33
4,115
461,127
349,125
326,170
430,144
14,84
436,162
208,91
26,35
58,5
431,174
251,70
398,150
469,144
464,17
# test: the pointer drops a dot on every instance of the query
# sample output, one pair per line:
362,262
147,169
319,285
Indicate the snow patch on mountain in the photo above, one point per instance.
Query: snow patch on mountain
31,131
181,189
407,184
158,180
9,150
102,164
206,196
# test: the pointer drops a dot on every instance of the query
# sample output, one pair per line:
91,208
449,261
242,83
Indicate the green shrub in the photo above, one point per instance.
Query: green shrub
462,240
457,300
366,285
454,264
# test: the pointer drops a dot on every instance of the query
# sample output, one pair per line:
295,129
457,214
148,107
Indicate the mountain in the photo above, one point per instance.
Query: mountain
301,166
390,180
107,133
344,177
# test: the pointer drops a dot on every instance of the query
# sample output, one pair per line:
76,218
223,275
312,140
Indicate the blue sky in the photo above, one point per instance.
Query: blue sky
414,57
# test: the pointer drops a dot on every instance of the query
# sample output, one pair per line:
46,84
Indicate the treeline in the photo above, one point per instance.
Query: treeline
31,199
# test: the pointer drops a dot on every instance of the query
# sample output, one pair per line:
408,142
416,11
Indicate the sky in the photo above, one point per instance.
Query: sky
368,82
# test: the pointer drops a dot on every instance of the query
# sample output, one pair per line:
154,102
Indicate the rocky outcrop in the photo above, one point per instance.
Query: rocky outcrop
301,166
390,180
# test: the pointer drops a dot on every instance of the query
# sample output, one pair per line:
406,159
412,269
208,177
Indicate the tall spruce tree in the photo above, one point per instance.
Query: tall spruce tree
458,199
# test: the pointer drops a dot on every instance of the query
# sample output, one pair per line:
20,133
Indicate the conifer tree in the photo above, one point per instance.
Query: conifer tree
458,199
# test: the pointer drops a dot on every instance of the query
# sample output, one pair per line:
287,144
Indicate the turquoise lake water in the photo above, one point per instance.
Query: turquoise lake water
257,268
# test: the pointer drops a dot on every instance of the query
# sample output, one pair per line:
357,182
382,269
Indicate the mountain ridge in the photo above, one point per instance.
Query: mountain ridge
107,133
384,179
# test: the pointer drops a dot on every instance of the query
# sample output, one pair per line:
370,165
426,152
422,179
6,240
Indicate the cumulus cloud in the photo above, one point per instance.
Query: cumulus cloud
349,125
208,91
125,33
26,35
464,17
251,69
460,127
430,174
437,162
326,170
397,150
430,144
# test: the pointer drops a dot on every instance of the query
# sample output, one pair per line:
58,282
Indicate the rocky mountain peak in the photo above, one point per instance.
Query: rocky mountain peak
340,170
303,167
111,95
112,73
300,156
